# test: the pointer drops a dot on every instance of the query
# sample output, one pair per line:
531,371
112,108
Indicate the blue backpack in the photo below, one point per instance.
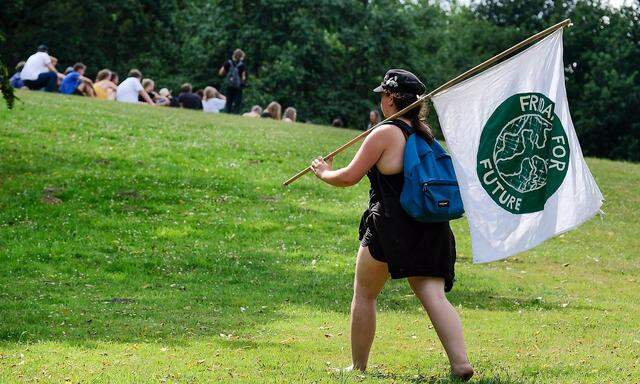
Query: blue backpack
430,192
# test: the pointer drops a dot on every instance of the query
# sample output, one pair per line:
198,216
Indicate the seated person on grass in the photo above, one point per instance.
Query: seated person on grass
188,99
40,71
213,100
75,83
290,115
150,86
256,111
166,99
60,76
131,88
273,111
104,88
115,79
15,81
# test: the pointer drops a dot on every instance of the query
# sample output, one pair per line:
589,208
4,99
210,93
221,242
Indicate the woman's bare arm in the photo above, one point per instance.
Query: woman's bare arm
367,156
146,97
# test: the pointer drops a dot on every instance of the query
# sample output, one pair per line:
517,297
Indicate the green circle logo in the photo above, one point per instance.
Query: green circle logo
523,153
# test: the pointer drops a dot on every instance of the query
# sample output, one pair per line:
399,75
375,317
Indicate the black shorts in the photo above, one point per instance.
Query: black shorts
410,248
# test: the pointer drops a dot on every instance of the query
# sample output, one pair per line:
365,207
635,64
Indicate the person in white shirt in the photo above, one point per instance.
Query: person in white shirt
40,72
213,101
129,90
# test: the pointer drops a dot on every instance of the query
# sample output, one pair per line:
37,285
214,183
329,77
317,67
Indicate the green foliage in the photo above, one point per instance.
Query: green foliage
324,57
118,34
604,80
5,88
602,58
149,245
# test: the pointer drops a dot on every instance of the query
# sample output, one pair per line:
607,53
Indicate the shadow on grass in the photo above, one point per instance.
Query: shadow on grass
482,298
201,256
422,379
419,378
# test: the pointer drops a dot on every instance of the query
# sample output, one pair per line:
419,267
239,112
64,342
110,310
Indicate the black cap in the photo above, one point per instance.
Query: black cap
399,80
43,48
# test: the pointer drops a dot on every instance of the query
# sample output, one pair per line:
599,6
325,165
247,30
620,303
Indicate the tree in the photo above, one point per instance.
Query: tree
118,34
602,57
5,88
324,57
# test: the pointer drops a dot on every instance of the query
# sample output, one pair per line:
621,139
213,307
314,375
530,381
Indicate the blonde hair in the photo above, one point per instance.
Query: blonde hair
290,113
103,74
210,93
186,88
238,54
275,110
147,82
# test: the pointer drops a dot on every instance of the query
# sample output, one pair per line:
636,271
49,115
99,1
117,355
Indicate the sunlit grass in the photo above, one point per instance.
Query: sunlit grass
158,245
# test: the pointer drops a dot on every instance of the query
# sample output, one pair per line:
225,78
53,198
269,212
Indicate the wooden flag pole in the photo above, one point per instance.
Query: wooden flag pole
448,84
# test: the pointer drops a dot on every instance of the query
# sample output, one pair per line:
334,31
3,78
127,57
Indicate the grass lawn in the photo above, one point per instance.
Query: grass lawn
157,245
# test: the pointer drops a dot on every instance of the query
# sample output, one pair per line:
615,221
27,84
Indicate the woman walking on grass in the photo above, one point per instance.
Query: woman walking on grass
391,242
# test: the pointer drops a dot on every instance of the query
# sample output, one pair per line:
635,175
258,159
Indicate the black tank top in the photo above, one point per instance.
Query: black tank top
384,194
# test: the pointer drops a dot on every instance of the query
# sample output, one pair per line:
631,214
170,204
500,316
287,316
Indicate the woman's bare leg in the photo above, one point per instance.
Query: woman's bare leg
370,277
445,319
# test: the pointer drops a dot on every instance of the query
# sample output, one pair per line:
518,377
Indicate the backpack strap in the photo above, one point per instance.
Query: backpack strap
406,129
232,65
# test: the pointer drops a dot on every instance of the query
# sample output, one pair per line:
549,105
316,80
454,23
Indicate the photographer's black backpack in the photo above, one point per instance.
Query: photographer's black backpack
233,75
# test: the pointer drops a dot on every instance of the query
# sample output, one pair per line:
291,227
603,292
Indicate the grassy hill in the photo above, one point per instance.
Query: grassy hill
158,245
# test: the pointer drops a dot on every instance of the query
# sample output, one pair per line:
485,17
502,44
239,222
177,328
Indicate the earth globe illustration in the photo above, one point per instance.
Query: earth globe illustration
520,153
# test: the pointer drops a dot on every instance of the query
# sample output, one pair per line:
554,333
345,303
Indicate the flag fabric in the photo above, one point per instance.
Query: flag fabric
522,175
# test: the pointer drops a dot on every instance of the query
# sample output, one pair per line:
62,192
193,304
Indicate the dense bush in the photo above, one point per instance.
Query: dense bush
325,56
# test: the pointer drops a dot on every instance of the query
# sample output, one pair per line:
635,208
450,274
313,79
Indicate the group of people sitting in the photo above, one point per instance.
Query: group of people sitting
273,111
39,72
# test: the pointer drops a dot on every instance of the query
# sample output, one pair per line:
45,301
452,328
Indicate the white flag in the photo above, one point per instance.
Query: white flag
517,158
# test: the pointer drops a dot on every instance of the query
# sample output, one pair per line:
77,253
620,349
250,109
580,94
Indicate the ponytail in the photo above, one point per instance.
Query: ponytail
418,115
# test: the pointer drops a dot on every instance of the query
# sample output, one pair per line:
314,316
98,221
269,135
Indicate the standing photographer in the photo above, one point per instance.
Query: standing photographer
236,76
